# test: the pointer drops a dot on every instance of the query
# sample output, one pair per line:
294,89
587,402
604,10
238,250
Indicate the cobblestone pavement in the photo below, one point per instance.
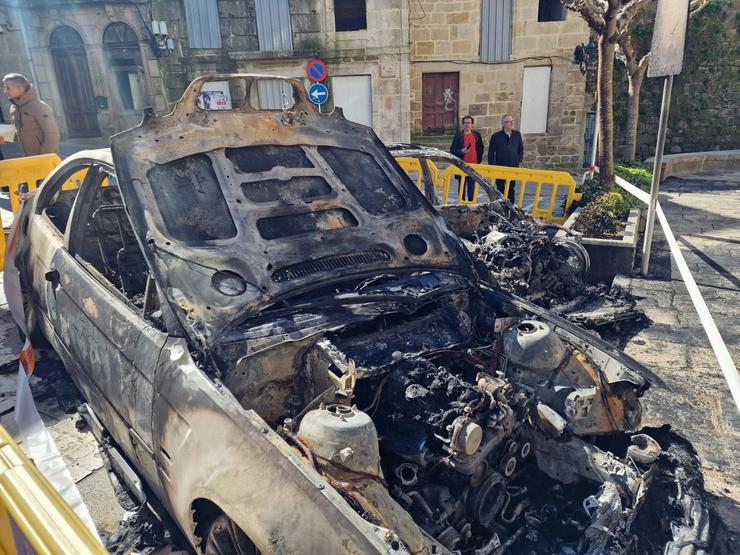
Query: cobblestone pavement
704,214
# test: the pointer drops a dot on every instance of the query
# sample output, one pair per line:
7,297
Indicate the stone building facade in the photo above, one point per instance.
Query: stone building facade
92,62
371,62
98,63
13,53
453,38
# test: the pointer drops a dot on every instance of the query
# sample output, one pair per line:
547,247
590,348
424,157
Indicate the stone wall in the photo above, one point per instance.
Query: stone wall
13,53
90,21
704,112
381,52
447,39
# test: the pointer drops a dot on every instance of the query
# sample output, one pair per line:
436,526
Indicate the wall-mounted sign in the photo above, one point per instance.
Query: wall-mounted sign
316,70
215,95
318,93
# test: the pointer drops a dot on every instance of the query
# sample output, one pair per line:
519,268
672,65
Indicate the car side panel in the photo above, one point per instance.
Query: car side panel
209,447
116,351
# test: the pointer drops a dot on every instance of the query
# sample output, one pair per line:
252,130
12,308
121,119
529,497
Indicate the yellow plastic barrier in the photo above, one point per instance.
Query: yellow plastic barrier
527,181
33,517
412,167
544,185
28,173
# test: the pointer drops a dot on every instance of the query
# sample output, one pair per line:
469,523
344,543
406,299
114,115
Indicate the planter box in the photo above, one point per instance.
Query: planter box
609,257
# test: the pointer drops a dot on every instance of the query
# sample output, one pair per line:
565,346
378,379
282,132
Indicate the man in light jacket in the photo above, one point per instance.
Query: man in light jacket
35,126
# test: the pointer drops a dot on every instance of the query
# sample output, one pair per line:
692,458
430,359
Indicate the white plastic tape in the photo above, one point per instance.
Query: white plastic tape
719,347
37,443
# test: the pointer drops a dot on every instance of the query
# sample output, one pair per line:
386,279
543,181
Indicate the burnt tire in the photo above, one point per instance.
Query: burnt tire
224,537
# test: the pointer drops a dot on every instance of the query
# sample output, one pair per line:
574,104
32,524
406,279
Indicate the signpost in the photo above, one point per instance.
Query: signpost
318,93
666,60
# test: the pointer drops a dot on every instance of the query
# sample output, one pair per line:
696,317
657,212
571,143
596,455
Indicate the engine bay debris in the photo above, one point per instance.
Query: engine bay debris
521,256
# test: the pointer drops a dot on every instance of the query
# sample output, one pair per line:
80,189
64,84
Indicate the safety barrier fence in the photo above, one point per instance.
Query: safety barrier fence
33,516
21,175
545,194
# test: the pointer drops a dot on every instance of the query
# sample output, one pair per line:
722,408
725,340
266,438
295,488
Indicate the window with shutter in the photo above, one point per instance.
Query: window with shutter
202,20
273,25
495,31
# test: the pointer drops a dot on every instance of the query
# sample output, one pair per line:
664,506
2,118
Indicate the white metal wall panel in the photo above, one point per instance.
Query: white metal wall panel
202,20
535,99
273,25
495,30
274,93
354,94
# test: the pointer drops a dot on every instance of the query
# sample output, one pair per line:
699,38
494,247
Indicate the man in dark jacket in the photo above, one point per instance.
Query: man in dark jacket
468,146
506,149
36,128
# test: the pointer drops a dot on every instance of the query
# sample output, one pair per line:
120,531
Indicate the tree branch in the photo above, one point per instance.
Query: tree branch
591,11
696,6
631,8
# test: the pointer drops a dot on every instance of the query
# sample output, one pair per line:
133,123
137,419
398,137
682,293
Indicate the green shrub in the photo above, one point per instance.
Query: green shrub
636,173
598,218
606,208
591,188
604,215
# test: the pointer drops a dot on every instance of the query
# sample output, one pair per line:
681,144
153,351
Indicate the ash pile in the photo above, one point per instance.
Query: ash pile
521,256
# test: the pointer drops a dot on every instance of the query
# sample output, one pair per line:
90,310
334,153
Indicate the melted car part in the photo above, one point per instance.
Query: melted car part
521,256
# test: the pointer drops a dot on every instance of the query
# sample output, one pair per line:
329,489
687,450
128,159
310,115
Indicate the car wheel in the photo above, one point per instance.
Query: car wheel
226,538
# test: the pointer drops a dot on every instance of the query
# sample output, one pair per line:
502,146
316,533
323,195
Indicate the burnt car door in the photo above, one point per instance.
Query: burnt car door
99,279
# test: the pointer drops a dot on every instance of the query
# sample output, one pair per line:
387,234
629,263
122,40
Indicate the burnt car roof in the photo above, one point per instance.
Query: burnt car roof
271,202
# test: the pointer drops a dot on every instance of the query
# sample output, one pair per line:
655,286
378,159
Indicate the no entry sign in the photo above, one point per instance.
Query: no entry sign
316,70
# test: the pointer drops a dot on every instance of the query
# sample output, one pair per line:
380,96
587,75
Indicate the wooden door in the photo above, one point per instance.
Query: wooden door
440,95
75,88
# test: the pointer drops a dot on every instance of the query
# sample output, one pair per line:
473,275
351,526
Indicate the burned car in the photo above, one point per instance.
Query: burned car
281,342
539,260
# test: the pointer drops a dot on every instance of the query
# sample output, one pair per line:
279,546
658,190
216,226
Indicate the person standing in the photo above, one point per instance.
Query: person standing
468,146
506,149
35,126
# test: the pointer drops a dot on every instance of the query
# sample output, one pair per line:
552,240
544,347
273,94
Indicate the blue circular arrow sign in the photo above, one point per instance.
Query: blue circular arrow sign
318,93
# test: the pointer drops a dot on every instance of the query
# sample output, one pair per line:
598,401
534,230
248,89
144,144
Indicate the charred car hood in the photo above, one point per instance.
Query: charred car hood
237,209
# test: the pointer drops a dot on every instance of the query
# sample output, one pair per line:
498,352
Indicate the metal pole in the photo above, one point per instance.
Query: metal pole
660,145
594,148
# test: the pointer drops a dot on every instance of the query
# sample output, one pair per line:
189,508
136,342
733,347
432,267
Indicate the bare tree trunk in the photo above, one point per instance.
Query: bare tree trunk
635,80
607,45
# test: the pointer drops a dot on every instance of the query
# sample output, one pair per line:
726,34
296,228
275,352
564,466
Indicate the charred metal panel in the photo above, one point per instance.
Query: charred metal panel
364,178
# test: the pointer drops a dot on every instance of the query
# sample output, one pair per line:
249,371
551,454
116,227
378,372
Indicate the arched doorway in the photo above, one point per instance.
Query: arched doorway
73,79
123,55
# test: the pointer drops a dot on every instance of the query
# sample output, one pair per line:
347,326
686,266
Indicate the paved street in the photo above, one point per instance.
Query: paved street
704,212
